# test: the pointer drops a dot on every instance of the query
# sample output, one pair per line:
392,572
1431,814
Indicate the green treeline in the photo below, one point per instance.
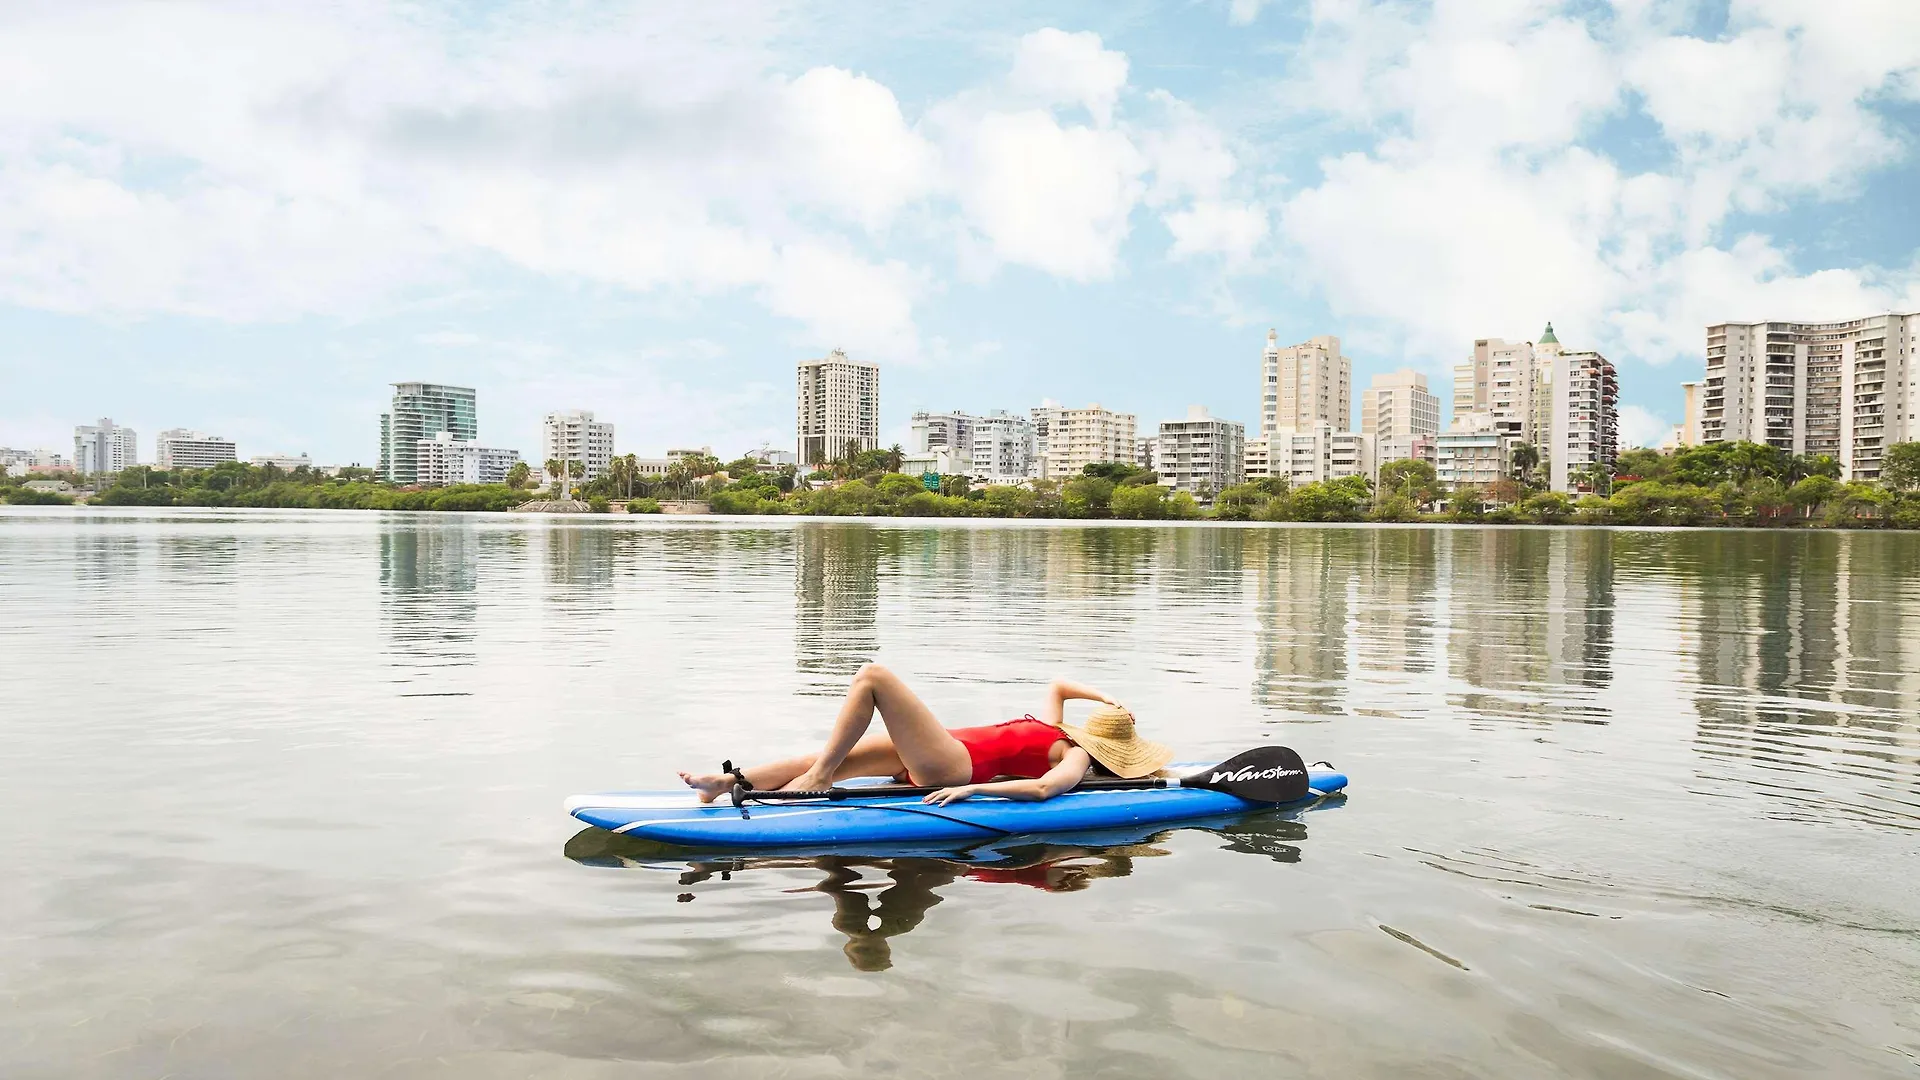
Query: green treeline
1721,484
236,483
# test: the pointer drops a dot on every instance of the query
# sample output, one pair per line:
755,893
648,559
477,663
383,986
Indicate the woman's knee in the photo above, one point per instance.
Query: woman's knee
869,674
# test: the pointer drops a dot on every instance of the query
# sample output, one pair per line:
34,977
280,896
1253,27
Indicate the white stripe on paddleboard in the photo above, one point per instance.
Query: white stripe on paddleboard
757,816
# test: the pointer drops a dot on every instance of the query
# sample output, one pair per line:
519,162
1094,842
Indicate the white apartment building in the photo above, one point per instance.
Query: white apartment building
576,436
1066,441
1845,389
931,430
1200,455
19,462
1303,386
1314,456
178,448
1585,426
1001,449
1397,408
104,447
1404,448
285,462
444,459
1471,453
941,461
837,403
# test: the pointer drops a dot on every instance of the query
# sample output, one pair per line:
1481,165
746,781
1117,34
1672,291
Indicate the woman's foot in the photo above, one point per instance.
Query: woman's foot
808,781
709,787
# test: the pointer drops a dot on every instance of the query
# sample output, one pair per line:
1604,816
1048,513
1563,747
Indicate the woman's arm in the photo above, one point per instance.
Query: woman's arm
1060,691
1061,778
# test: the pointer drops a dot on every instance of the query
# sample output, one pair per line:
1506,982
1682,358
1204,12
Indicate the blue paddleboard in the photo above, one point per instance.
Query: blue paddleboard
676,817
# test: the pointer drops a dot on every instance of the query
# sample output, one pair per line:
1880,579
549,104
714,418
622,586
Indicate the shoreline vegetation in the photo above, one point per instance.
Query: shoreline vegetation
1723,484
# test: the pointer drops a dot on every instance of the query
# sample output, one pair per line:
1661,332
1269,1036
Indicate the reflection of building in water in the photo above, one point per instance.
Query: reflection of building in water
429,591
1809,660
580,557
1501,601
1393,615
1301,599
1579,608
836,598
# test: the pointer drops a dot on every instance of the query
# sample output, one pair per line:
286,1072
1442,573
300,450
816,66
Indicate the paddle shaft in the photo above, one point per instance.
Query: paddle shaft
870,791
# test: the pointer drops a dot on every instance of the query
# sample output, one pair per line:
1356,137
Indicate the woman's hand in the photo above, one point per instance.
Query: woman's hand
951,794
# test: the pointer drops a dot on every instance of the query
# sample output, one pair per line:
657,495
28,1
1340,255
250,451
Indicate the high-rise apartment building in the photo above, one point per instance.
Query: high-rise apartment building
951,431
105,447
1001,448
1066,441
1470,453
1585,420
577,436
998,448
837,405
443,459
1200,455
1844,389
421,411
1306,385
178,448
1397,409
1315,456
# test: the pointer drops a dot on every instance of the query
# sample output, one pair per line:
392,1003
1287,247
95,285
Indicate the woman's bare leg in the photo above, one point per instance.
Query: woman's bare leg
928,752
914,742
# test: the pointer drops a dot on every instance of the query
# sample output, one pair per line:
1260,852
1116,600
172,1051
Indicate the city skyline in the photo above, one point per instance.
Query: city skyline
769,188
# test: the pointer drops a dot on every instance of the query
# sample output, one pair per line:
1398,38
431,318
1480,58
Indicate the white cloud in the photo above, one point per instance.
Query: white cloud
1235,230
1057,198
1053,67
1244,12
1482,205
1640,427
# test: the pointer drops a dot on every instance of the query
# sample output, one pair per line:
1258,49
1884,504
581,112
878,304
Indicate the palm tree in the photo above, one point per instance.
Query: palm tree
632,472
555,468
1525,457
577,470
895,457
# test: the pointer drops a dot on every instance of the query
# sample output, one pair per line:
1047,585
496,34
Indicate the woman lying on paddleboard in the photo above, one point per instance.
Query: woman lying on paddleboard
1045,756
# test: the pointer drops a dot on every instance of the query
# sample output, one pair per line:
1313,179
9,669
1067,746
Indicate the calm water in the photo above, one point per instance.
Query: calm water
279,796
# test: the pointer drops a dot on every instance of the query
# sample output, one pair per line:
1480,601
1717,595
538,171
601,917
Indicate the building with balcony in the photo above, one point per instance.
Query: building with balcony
836,407
443,460
1396,408
1471,453
1584,431
422,411
1844,389
576,436
178,448
105,447
1066,441
1200,455
1303,386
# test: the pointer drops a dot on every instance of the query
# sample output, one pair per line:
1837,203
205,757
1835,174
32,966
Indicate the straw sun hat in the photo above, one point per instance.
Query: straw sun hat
1109,736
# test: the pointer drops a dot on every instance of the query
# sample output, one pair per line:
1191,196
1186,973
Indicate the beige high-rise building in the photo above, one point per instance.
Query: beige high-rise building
1398,406
837,404
1583,430
1201,455
1303,386
1066,441
1845,389
576,436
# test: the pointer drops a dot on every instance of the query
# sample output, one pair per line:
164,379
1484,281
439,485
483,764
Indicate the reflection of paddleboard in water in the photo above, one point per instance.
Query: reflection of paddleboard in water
880,891
676,817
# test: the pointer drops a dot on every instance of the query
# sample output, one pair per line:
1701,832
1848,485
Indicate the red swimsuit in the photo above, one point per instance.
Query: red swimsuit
1015,748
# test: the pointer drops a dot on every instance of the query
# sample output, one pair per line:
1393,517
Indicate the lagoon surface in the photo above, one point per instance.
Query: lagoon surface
280,796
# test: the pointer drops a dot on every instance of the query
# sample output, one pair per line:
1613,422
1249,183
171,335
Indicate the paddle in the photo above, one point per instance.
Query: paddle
1267,774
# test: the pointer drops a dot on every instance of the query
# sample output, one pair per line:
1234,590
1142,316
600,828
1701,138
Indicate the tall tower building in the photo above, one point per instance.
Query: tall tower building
1583,430
1846,389
576,436
104,447
422,411
837,403
1304,386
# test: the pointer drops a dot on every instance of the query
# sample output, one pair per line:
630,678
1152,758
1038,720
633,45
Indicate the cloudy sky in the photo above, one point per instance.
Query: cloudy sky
249,219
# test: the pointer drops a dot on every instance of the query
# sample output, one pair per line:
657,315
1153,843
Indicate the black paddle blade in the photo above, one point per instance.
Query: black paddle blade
1270,774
